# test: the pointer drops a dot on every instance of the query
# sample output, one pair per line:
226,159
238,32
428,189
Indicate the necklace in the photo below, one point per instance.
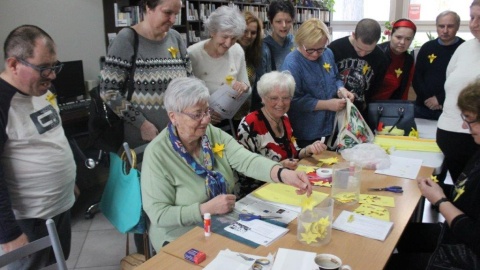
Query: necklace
277,123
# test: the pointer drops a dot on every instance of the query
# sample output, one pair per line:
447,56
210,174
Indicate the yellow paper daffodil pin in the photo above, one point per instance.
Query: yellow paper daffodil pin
399,72
218,149
327,67
329,161
459,191
365,69
229,79
307,204
293,139
52,98
413,133
173,51
434,178
432,57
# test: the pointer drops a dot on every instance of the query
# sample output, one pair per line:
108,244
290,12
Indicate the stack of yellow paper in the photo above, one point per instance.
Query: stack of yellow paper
406,143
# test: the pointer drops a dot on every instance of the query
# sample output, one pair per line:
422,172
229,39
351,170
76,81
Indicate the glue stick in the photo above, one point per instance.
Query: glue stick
206,224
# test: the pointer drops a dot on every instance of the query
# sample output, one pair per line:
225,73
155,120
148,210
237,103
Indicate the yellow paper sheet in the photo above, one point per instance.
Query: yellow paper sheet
306,168
286,194
377,200
373,211
406,143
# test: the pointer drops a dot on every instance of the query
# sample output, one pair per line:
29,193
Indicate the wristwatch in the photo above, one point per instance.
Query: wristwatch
436,205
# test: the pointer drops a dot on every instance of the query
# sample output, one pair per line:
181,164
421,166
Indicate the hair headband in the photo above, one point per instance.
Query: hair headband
405,23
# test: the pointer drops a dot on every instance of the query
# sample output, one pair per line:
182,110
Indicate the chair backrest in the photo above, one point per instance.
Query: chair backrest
51,240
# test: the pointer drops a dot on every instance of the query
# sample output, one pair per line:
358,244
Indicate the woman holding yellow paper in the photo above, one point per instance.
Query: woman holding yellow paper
454,244
188,169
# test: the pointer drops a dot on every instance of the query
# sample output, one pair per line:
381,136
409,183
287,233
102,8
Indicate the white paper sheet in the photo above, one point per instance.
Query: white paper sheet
402,167
253,205
362,225
226,101
257,231
291,259
227,259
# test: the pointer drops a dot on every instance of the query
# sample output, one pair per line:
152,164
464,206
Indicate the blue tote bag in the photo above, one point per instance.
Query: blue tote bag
121,201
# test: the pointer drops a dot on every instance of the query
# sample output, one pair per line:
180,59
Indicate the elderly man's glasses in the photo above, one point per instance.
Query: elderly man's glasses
44,71
311,51
469,123
199,115
276,99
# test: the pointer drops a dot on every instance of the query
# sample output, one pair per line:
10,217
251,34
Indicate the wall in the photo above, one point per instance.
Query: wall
76,26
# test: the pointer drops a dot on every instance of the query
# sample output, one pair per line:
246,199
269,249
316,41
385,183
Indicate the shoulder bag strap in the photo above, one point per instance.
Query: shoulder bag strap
130,85
272,59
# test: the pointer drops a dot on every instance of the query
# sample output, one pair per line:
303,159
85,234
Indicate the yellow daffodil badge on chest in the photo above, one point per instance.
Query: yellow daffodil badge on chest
229,79
398,72
218,149
432,57
173,51
327,67
52,99
365,69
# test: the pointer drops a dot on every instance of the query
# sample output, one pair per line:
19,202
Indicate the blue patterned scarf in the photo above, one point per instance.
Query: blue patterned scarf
214,181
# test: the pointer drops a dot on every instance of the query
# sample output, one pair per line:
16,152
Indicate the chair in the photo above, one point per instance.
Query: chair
51,240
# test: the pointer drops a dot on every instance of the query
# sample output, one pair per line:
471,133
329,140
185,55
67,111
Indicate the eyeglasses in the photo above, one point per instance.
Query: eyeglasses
276,99
199,115
311,51
44,71
469,123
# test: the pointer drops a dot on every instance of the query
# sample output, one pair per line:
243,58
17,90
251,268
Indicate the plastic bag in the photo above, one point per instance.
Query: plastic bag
368,156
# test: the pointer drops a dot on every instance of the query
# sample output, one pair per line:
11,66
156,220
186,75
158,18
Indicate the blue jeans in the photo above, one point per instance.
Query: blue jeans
35,228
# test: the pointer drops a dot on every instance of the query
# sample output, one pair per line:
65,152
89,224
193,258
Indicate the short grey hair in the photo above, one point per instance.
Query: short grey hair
446,13
276,79
226,19
21,42
185,92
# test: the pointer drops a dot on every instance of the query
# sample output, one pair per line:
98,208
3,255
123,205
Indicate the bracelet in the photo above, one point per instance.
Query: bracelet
436,205
279,175
306,153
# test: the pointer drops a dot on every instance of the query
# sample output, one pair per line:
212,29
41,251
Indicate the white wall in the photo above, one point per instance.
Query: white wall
76,26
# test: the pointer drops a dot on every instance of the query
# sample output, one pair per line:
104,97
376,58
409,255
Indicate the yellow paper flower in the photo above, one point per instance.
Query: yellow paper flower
173,51
365,69
399,72
326,66
329,161
307,204
52,98
413,133
309,237
432,57
218,149
229,79
459,191
434,178
293,139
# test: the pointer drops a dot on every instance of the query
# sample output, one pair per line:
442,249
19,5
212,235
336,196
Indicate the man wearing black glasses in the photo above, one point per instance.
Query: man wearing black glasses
37,169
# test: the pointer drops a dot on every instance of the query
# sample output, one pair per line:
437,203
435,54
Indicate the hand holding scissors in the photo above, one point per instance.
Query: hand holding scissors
395,189
248,217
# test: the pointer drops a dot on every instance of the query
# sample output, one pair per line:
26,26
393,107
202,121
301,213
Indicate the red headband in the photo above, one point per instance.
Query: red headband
404,23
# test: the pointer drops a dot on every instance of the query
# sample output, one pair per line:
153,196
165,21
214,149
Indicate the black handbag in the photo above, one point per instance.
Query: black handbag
105,128
394,113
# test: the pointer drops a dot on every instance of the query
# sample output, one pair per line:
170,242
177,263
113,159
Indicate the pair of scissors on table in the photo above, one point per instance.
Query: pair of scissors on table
248,217
395,189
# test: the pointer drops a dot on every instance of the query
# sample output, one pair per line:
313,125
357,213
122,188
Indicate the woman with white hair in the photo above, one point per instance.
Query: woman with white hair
220,60
268,132
188,169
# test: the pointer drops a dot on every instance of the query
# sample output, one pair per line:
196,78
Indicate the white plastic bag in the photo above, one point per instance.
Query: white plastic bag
368,156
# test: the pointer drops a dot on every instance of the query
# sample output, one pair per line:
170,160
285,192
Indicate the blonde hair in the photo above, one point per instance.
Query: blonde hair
311,32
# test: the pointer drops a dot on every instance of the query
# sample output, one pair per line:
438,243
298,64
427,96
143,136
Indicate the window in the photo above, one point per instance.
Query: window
422,12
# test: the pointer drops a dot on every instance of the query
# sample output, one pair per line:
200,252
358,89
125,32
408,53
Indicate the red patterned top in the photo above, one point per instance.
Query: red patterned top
256,134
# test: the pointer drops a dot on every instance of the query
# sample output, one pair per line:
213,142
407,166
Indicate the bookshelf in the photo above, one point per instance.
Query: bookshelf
123,13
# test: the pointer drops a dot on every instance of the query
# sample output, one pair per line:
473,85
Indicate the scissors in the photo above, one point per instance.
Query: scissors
248,217
395,189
